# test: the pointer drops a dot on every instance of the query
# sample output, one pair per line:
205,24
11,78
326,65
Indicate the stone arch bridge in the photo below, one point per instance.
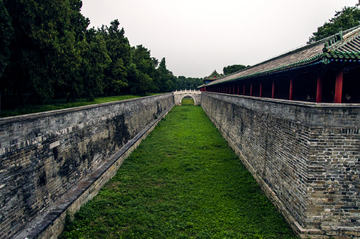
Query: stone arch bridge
179,95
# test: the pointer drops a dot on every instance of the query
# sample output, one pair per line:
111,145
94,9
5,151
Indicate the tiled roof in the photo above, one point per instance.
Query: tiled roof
352,45
335,48
213,75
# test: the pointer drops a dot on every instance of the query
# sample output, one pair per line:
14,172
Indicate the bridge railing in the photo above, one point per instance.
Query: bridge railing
187,91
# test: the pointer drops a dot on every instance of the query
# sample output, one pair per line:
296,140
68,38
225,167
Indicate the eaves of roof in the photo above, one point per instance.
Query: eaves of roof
337,48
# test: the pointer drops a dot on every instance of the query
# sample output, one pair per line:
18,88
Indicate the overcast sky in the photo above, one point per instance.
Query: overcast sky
199,36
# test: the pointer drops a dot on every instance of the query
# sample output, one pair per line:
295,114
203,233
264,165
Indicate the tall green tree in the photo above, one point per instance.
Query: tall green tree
139,82
78,23
6,34
188,83
47,52
119,50
233,68
66,68
95,60
347,18
35,32
44,47
166,79
140,71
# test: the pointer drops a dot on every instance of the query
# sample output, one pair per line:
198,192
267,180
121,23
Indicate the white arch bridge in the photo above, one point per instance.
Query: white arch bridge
179,95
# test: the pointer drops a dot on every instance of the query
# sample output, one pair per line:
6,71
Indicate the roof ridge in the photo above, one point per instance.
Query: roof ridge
340,39
330,49
276,57
296,49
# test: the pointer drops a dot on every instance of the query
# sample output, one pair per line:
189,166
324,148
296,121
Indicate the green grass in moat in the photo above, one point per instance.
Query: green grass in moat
62,104
187,101
183,181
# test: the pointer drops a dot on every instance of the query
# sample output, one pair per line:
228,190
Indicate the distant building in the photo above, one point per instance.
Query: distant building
212,77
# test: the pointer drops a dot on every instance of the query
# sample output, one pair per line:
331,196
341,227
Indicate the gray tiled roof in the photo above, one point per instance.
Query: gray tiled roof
338,47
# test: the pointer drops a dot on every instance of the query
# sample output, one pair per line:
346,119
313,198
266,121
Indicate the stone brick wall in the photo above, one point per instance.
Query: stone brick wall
305,156
44,155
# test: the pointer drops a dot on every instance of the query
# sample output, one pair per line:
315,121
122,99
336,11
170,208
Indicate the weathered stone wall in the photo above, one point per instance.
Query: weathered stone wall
45,155
305,156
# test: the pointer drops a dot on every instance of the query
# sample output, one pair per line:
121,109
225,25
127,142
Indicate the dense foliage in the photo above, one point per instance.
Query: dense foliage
347,18
48,52
233,68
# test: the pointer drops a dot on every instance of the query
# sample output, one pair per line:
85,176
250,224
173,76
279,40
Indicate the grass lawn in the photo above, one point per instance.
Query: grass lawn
187,101
62,104
183,181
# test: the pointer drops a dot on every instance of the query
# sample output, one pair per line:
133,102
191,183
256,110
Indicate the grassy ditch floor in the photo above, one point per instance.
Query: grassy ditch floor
183,181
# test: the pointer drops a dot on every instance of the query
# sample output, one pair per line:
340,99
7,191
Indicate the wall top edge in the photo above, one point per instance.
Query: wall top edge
294,103
73,109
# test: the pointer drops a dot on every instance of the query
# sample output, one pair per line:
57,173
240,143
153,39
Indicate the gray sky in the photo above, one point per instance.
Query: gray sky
199,36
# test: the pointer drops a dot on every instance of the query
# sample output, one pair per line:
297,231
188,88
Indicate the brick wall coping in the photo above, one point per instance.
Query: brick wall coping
308,113
18,118
292,102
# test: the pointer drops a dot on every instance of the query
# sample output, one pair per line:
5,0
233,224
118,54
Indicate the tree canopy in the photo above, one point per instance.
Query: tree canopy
347,18
233,68
6,34
48,52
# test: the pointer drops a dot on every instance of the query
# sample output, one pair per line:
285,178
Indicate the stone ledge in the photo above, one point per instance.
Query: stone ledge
10,147
69,110
292,102
305,113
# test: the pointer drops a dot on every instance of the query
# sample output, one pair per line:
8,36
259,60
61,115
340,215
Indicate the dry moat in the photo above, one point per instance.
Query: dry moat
183,181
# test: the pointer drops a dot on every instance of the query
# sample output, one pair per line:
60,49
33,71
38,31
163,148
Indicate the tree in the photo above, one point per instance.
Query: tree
47,52
181,83
44,49
119,74
347,18
233,68
139,82
187,83
95,60
32,49
141,71
78,23
166,78
6,34
119,52
66,67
